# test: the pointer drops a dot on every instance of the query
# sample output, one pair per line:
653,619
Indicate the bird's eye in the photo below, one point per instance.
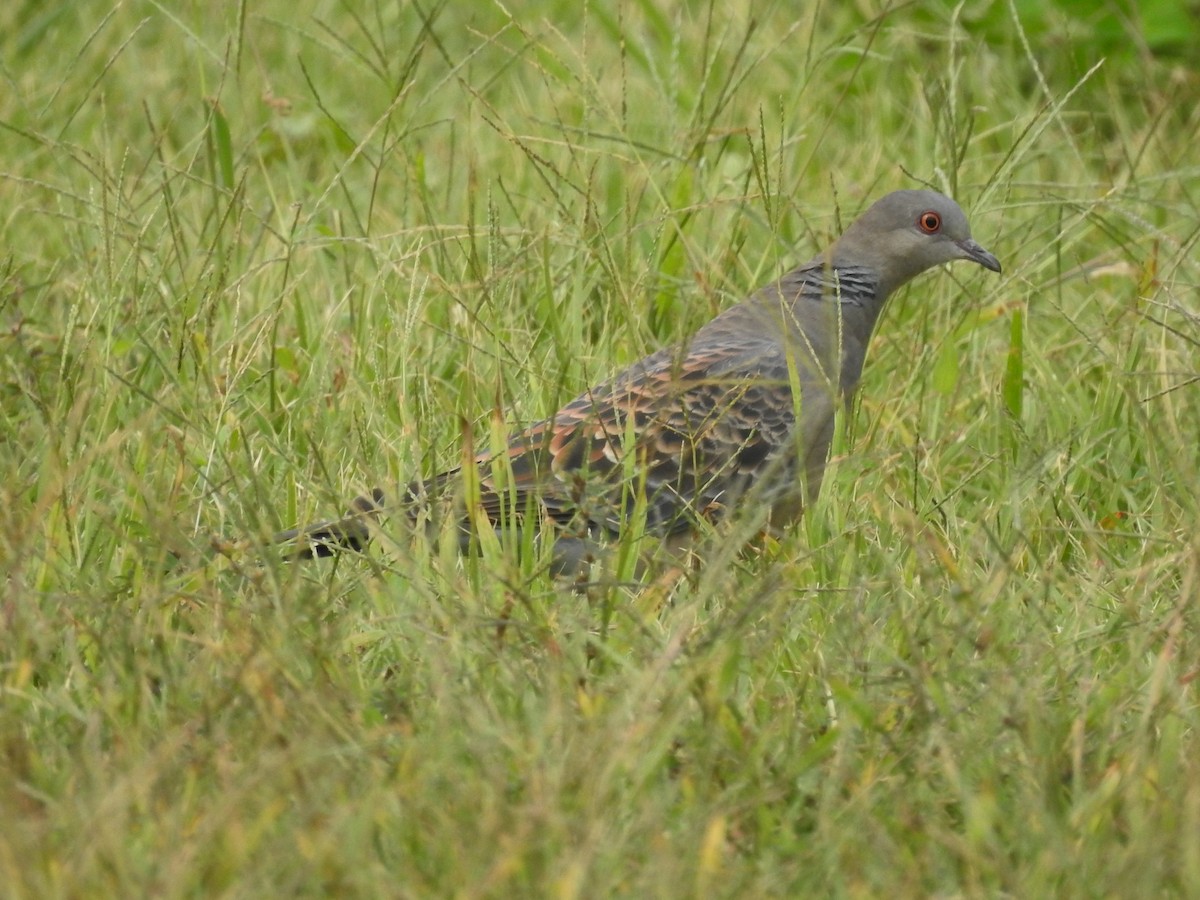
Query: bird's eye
929,222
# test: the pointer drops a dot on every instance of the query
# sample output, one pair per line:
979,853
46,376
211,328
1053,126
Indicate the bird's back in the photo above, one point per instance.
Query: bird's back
691,430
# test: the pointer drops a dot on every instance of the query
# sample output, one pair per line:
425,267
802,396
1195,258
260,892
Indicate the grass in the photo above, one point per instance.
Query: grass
258,257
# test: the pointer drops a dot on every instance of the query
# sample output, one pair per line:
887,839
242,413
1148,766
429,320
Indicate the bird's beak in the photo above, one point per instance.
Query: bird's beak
975,253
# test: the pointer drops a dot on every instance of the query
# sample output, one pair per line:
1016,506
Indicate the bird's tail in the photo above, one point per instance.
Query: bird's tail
351,532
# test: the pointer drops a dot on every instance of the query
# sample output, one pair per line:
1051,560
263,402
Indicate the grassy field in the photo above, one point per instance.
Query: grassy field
256,258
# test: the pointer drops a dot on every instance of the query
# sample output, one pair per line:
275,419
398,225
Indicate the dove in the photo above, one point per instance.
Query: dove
738,418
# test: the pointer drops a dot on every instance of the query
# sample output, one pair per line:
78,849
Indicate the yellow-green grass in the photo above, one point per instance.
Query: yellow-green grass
256,258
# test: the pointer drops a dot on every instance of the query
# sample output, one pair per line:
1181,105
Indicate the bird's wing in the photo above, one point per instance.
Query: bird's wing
687,434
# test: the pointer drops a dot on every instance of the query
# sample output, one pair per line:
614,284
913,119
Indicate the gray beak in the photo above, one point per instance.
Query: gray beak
975,253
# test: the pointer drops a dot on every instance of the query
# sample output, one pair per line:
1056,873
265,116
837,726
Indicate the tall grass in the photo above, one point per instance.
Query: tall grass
258,257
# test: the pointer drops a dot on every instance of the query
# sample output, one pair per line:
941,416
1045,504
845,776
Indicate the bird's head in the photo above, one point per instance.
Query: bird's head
907,232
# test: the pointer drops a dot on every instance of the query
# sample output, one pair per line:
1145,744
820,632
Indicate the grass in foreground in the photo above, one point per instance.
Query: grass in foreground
256,260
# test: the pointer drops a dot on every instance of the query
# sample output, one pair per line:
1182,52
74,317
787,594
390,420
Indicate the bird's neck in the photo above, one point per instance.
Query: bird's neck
853,290
830,310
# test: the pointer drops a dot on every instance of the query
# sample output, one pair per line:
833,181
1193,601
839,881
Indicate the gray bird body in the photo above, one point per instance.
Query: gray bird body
741,415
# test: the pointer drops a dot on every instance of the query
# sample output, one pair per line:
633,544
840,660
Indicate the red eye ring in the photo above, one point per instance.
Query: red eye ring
929,222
